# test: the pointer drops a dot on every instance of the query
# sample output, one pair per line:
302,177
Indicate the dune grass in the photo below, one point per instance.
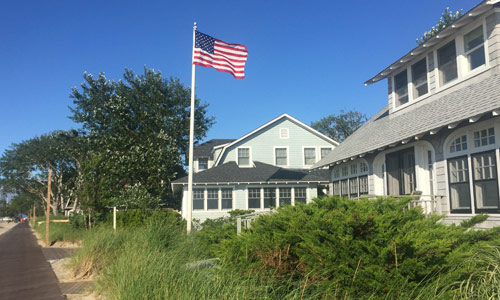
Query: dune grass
158,260
64,232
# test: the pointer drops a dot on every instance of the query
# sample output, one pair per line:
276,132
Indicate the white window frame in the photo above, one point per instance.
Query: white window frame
287,156
250,161
463,72
304,155
198,163
219,198
471,150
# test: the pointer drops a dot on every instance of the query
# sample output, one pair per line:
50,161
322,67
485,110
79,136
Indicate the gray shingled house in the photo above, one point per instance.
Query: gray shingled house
265,168
439,133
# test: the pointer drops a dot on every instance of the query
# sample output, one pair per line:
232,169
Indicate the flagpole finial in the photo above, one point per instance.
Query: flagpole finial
195,26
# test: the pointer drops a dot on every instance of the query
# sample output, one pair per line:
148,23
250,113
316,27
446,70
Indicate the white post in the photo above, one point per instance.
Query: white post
191,141
114,218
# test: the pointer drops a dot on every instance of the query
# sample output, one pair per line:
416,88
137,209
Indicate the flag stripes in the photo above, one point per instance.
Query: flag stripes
222,56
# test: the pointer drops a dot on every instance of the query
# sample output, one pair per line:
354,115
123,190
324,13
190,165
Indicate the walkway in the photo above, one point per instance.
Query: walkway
24,271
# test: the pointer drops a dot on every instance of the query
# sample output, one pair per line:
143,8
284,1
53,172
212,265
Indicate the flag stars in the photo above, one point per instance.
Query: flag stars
204,42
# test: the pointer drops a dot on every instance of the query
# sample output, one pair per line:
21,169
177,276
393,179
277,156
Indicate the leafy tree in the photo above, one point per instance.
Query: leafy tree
24,168
137,130
447,18
339,127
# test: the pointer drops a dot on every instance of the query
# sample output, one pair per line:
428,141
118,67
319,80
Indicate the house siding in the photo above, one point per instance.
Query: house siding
263,143
493,34
240,198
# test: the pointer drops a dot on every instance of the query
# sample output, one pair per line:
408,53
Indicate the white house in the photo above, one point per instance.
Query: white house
265,168
439,132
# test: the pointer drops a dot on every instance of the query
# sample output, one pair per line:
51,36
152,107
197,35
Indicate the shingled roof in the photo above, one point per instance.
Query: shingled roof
261,173
386,129
205,149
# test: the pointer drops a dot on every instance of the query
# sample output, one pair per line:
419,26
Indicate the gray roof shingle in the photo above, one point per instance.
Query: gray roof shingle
231,173
205,149
385,129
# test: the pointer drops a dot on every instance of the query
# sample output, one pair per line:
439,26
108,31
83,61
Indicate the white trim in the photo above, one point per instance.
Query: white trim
482,10
308,128
471,150
287,156
250,161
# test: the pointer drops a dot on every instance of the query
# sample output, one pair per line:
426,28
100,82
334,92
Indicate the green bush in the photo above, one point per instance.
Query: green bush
351,248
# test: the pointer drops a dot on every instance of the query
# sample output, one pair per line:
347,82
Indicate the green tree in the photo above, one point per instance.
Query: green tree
137,130
339,127
446,19
24,168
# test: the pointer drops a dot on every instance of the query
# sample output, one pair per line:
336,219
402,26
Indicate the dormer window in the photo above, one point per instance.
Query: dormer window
401,88
419,78
447,63
244,157
202,163
474,48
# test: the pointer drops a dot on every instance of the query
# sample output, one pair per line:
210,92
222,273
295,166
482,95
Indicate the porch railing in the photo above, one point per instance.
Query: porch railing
429,203
246,220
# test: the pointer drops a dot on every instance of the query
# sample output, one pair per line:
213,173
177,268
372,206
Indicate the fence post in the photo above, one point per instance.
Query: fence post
238,225
114,218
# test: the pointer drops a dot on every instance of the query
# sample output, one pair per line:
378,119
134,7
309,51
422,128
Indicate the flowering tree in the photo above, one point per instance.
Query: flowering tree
446,19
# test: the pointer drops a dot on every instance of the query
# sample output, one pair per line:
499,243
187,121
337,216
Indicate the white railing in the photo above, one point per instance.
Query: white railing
245,220
429,203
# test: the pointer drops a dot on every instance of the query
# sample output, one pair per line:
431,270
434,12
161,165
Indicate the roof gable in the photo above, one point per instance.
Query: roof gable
268,125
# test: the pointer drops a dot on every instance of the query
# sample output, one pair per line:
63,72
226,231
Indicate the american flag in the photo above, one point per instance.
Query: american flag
224,57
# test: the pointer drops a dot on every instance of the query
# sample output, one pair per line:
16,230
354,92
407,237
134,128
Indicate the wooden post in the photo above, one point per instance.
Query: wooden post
114,218
34,215
47,215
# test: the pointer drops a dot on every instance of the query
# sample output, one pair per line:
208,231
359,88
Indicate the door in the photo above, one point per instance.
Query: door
401,172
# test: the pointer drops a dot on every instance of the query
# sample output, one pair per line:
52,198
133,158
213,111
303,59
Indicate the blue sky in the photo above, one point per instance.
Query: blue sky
306,58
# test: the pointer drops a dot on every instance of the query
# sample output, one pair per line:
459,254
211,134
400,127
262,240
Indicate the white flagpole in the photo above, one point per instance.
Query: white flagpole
191,141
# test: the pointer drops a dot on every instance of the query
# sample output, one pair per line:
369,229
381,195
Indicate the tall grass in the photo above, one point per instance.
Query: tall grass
64,232
156,260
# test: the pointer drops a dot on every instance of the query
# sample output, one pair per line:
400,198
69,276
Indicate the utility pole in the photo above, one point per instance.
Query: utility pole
47,215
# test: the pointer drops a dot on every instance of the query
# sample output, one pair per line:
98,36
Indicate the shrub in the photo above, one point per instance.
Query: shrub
351,248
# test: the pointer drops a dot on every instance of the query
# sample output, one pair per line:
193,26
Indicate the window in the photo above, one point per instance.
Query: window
253,198
401,88
363,167
202,163
198,199
309,156
344,184
336,188
363,185
336,173
484,137
243,156
285,196
324,152
459,144
345,171
284,133
353,187
447,63
474,48
227,198
458,170
354,169
419,78
269,197
300,194
281,156
212,198
485,182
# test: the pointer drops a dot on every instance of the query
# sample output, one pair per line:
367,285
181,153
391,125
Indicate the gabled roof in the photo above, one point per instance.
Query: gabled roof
465,19
283,116
387,130
205,149
261,173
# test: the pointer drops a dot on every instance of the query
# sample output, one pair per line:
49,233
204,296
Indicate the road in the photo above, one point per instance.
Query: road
24,271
